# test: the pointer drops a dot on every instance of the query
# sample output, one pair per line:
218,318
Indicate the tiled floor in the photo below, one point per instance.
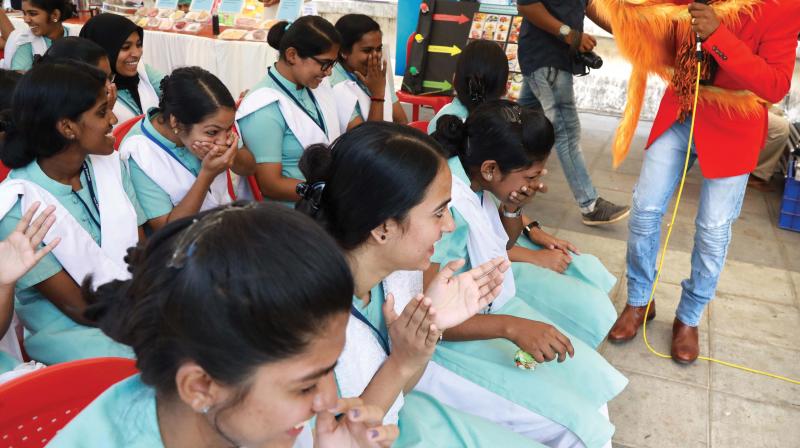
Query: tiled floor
755,319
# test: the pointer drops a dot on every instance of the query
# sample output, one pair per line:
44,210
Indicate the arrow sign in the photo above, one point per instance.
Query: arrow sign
460,19
442,86
452,51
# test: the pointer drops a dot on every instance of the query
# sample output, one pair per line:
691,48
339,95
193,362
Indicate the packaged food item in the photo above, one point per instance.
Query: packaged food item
256,35
142,22
153,22
152,12
267,24
245,22
232,34
177,15
166,24
165,13
193,28
203,16
142,12
180,25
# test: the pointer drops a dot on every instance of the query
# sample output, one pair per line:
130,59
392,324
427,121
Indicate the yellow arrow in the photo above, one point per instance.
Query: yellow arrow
452,51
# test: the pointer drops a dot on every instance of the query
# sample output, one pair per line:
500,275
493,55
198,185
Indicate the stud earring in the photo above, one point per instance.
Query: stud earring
175,131
205,409
383,237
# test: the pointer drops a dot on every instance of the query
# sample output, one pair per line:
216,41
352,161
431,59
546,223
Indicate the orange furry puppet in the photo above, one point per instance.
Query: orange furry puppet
656,37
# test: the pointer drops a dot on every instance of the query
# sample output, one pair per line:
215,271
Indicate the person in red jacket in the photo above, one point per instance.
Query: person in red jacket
749,48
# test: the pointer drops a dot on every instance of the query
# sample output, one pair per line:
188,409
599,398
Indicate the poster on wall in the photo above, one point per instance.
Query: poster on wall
444,29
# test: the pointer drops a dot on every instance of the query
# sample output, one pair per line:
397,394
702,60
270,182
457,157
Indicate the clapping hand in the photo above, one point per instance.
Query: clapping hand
459,297
18,252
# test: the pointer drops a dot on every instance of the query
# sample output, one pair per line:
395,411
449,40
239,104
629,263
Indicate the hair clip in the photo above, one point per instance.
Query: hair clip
188,241
288,24
512,113
311,192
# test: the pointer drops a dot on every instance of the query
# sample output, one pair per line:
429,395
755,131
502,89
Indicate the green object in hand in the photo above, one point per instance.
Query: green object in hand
524,360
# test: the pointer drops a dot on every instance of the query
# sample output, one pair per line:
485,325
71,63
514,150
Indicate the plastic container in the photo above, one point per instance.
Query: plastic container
789,218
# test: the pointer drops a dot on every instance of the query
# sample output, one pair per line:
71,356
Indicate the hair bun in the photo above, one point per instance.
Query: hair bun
276,34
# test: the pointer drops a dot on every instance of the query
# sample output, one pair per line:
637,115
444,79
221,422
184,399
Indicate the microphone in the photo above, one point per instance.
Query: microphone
698,48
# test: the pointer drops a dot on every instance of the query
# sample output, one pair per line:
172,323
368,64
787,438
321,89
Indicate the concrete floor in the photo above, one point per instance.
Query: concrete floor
754,320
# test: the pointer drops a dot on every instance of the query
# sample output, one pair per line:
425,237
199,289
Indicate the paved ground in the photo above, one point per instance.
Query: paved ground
754,320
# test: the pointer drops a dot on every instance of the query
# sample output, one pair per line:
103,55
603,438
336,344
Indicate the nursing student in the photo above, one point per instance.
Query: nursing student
293,106
180,154
20,252
502,150
60,148
45,20
402,186
138,84
481,76
235,339
360,78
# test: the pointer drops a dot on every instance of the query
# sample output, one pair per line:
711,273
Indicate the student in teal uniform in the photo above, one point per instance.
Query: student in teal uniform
20,252
361,61
138,84
309,48
481,76
45,19
193,127
402,186
61,118
502,149
235,339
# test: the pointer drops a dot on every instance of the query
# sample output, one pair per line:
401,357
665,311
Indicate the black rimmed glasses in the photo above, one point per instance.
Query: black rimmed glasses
324,64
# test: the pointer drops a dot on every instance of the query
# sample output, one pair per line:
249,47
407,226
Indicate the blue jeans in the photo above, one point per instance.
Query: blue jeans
552,89
720,204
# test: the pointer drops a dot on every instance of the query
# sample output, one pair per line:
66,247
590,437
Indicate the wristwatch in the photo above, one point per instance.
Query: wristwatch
527,229
509,214
564,31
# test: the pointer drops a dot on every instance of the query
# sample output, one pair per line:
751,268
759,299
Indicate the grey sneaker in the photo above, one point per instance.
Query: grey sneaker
606,213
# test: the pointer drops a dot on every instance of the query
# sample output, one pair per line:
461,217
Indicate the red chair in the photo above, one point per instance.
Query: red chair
435,102
122,129
3,171
420,125
34,407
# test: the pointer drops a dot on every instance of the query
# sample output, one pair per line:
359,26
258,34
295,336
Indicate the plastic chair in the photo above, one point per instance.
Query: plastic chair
34,407
420,125
122,129
3,171
435,102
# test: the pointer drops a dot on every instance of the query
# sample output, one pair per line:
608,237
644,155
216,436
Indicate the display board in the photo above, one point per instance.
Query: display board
444,29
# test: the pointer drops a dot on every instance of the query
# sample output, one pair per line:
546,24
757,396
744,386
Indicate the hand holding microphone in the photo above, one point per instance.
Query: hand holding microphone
704,19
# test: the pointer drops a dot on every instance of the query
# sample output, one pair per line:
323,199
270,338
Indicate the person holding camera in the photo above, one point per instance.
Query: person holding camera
553,47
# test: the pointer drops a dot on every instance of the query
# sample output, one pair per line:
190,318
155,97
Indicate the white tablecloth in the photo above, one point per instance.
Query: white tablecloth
240,65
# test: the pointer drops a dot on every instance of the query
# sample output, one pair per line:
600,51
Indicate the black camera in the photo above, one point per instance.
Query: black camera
590,59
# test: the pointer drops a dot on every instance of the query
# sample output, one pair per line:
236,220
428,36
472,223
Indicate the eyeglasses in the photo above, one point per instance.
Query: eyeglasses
324,64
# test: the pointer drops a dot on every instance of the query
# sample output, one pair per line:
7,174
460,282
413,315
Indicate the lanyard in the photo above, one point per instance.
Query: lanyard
161,145
320,121
90,186
358,82
384,343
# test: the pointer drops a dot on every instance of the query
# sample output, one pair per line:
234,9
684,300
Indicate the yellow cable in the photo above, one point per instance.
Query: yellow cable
664,253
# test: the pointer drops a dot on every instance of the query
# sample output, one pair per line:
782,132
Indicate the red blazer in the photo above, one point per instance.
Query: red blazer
758,56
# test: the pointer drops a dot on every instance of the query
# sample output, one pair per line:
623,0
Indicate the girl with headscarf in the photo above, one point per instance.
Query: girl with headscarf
138,84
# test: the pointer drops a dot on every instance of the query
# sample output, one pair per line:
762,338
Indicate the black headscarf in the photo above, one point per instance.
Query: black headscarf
110,31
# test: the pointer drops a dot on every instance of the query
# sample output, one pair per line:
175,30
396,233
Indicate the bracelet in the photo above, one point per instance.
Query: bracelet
509,214
378,100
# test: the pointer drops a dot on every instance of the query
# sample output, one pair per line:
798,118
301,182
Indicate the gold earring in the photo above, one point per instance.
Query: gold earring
175,131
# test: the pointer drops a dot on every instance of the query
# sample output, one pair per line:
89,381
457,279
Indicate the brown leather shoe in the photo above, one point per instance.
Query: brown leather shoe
685,345
629,321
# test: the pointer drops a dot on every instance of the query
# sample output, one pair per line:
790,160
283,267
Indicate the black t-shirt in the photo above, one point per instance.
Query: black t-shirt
538,48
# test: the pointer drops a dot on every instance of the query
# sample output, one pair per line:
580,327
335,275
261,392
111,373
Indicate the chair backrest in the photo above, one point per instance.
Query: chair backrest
421,125
122,129
34,407
3,171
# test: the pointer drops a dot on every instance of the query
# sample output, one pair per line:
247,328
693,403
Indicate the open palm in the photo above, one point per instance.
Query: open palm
18,253
459,297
